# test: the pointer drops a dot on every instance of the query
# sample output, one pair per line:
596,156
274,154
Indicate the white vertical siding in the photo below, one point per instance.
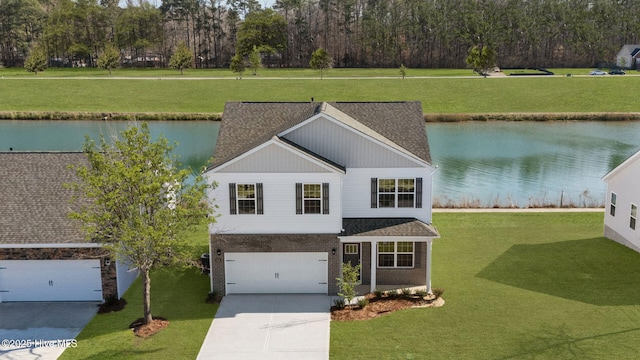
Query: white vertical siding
356,191
625,185
279,205
345,147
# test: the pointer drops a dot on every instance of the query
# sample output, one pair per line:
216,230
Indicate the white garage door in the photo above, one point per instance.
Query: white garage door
255,273
50,280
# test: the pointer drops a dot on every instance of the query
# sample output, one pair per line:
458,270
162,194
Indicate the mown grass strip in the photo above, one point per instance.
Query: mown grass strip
438,95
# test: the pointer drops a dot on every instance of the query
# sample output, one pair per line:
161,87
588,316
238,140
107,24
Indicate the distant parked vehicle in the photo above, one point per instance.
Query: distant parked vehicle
616,72
598,72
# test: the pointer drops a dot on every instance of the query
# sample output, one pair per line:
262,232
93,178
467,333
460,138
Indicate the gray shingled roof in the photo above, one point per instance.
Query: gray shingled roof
246,125
34,201
396,227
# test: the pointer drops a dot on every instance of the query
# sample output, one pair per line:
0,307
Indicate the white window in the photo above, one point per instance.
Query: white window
245,199
612,208
312,198
351,249
396,193
634,214
395,254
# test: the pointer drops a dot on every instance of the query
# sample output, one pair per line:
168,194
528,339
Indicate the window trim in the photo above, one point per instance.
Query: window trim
633,216
612,204
376,193
234,199
395,255
314,199
324,198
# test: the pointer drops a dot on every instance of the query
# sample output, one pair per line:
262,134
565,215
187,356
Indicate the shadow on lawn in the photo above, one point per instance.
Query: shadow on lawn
557,343
594,271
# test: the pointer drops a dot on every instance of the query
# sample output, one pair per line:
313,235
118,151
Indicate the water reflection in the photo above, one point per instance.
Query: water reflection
479,163
527,164
194,140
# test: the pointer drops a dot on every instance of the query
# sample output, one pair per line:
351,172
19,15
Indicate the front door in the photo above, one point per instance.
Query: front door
351,254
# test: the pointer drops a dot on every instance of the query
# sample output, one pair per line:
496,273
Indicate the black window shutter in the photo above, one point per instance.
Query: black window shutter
374,193
325,198
419,192
259,203
232,199
298,198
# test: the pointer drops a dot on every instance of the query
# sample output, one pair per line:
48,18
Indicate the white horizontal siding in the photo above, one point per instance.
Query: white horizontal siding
348,148
625,185
356,190
279,205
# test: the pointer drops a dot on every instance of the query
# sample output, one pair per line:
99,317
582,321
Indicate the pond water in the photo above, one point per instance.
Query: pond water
195,139
527,164
480,164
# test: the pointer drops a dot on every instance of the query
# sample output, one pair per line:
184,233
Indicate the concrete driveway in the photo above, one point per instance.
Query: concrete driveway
269,327
41,330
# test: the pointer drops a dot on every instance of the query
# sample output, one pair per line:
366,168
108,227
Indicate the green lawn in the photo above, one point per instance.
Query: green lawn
517,286
177,295
205,94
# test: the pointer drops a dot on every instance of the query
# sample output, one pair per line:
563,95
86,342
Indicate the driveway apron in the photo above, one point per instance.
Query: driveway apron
269,327
41,330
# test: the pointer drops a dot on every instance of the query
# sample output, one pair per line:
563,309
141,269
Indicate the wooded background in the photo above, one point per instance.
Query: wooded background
356,33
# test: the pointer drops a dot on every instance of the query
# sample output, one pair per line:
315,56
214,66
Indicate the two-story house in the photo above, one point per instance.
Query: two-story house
621,206
304,187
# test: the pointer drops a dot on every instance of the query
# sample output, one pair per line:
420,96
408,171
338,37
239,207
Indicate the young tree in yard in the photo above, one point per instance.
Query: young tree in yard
255,60
403,70
347,283
238,65
181,59
141,203
320,60
482,59
37,60
110,58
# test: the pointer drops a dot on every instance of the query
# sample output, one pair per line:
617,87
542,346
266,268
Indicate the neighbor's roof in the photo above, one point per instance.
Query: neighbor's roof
35,202
246,125
395,227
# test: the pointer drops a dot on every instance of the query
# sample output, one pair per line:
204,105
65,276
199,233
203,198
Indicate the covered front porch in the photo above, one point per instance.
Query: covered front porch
394,253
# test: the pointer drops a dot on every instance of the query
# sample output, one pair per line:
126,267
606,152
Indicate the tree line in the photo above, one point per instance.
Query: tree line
356,33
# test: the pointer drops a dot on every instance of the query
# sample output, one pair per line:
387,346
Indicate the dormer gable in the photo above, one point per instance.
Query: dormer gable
336,135
279,156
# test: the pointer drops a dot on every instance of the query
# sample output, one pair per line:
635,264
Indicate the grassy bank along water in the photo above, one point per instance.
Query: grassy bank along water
87,115
439,95
150,116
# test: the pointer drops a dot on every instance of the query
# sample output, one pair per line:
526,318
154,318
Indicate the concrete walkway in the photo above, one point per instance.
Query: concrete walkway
269,327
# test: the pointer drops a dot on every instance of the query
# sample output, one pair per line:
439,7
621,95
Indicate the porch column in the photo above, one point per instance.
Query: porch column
374,251
429,243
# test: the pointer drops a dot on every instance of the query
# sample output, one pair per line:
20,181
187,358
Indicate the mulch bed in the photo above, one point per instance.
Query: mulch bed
144,331
382,305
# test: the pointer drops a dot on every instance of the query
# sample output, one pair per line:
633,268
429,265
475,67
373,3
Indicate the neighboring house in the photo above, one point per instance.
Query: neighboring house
623,199
43,253
627,56
305,187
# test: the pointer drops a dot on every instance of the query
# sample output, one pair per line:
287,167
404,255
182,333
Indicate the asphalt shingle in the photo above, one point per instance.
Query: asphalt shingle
34,202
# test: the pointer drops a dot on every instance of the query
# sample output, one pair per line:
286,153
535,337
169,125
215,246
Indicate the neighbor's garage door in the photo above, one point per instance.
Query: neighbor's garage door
50,280
248,273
